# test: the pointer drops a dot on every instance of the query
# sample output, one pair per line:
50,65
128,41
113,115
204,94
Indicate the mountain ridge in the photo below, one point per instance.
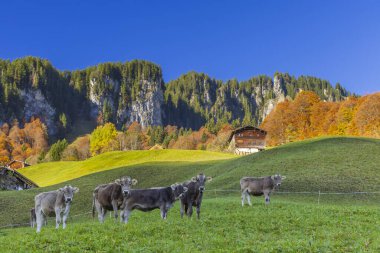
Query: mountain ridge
135,91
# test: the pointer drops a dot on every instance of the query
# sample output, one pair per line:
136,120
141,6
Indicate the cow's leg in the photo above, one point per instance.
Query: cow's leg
114,206
102,214
99,209
190,209
164,212
57,217
267,199
186,207
248,198
242,198
39,219
121,215
199,209
126,214
182,209
66,215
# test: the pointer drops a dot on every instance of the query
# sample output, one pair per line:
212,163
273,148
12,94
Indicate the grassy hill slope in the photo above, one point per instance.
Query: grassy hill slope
46,174
328,164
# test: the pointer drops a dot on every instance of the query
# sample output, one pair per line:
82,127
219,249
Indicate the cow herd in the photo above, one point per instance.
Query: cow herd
119,195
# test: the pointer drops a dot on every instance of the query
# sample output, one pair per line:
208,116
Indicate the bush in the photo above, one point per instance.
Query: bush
57,149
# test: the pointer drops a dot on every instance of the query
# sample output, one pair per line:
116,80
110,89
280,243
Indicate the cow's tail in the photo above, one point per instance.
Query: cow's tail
93,205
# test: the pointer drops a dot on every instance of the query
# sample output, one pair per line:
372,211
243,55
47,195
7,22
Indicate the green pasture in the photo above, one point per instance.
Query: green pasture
297,220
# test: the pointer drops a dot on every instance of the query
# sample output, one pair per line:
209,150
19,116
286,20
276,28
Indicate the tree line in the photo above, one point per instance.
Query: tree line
308,116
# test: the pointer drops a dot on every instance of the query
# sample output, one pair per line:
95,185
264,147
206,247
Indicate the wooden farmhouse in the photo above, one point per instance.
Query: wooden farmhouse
247,140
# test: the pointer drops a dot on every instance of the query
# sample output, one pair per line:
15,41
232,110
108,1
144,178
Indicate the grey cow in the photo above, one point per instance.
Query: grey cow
54,202
146,200
109,197
194,195
257,186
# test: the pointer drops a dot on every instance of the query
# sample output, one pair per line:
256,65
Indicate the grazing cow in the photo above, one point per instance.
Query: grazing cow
145,200
257,186
33,217
109,197
54,202
194,195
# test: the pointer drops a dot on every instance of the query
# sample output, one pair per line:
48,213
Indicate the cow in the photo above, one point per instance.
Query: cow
33,217
194,195
257,186
109,197
54,202
146,200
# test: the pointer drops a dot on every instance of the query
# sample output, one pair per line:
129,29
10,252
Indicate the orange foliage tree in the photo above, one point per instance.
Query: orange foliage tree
308,117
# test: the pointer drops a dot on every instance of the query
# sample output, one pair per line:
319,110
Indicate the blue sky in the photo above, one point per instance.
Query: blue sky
335,40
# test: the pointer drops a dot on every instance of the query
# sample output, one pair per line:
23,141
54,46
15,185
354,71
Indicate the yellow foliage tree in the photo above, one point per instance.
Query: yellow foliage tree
103,139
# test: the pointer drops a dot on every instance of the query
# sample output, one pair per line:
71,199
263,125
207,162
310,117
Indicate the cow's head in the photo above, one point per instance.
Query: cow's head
125,183
277,180
201,179
179,190
68,192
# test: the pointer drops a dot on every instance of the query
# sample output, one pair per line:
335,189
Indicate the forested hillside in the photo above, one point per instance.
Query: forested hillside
196,99
122,93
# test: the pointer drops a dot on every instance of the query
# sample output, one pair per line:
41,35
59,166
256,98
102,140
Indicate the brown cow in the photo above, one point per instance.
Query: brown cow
109,197
194,195
257,186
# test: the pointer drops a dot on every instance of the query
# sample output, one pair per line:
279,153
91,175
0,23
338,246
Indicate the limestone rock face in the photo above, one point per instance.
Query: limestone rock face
98,99
36,105
147,108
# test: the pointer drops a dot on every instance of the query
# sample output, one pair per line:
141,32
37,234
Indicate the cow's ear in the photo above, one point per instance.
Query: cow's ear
194,179
118,181
272,177
209,179
75,189
283,177
173,187
134,181
61,189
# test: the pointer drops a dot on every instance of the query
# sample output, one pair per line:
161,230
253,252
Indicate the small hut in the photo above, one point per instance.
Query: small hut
247,140
10,179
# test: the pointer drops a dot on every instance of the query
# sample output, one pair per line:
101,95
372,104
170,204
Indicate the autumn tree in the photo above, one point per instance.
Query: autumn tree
103,139
367,118
134,137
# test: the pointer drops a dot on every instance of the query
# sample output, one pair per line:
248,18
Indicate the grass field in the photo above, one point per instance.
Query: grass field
225,226
291,223
46,174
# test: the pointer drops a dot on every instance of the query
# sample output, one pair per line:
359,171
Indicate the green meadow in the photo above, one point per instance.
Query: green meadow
293,222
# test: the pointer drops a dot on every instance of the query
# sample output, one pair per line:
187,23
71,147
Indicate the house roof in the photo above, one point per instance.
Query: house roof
18,175
17,161
241,129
